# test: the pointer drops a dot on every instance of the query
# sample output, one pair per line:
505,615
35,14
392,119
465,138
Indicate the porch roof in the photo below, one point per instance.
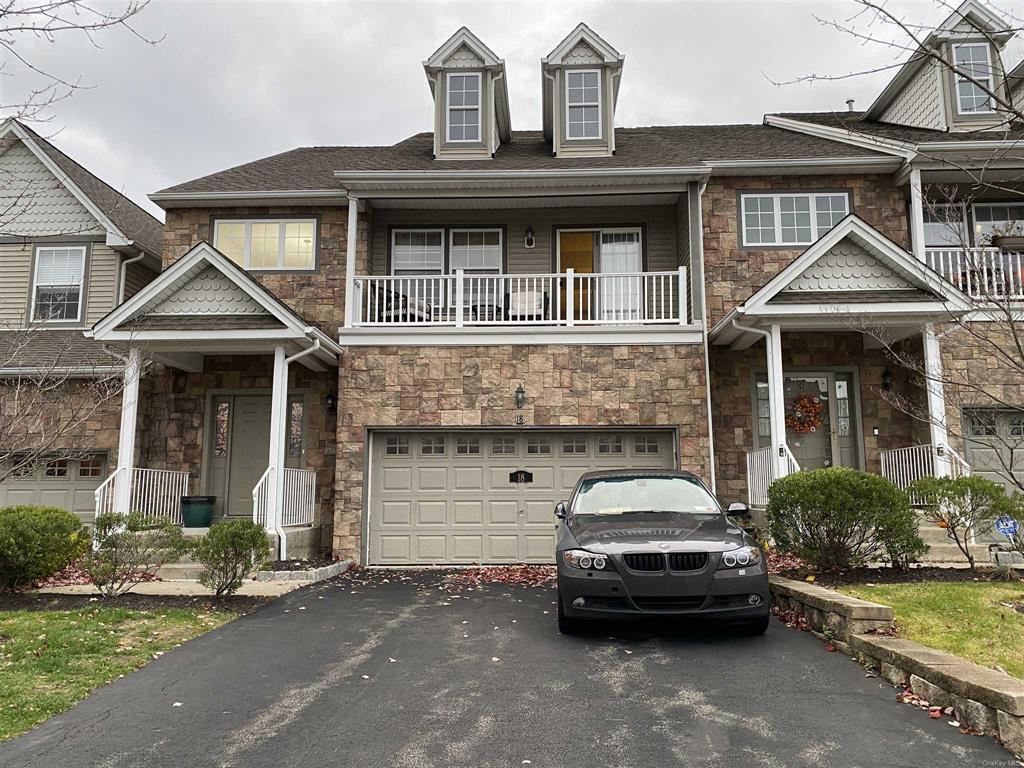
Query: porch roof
851,277
204,303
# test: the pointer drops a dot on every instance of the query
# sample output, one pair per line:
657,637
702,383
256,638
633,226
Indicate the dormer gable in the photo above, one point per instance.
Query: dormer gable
470,90
580,85
926,94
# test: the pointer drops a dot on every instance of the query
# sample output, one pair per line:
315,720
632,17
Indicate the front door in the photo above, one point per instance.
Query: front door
249,451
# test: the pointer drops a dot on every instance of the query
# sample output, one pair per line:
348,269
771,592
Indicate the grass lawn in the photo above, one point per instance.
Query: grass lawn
964,618
51,659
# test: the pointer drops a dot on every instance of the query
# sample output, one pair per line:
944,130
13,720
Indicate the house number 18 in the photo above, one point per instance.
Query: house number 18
519,419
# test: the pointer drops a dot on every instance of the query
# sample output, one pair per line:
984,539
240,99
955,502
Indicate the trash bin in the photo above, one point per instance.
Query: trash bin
197,511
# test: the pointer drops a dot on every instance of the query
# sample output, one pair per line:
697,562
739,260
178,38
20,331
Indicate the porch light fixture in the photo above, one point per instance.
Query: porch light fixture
331,402
529,237
520,396
886,380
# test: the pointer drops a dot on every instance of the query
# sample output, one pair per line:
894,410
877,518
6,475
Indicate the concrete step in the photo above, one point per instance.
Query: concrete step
947,552
178,571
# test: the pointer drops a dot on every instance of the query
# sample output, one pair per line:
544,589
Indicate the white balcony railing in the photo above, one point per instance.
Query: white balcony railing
904,466
299,503
260,498
762,471
156,493
568,299
981,273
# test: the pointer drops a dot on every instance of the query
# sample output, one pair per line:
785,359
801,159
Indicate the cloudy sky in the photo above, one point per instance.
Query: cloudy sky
230,82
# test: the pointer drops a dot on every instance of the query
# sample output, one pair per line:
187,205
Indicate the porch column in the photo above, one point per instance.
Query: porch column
916,215
776,403
936,402
126,435
351,240
278,418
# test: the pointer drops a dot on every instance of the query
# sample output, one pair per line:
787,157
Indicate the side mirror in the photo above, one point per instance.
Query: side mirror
560,511
738,509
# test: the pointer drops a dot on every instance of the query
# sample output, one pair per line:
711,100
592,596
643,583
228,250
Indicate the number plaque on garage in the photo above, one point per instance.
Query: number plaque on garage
520,476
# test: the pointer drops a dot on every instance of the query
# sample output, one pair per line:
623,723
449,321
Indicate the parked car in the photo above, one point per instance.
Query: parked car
656,543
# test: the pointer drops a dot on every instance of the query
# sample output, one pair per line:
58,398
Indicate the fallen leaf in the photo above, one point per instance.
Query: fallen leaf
391,661
495,658
810,577
366,677
176,704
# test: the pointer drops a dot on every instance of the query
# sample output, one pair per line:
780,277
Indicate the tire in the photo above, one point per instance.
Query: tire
756,626
566,625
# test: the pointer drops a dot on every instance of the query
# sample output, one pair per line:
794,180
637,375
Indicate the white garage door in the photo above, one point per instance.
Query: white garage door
66,483
447,497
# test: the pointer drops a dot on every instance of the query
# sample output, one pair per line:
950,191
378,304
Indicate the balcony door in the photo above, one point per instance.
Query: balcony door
591,253
577,251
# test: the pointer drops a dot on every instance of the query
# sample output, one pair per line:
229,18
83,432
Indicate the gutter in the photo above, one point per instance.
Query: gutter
124,274
431,175
328,194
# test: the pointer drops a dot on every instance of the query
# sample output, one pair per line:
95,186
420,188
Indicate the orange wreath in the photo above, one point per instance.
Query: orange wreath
806,415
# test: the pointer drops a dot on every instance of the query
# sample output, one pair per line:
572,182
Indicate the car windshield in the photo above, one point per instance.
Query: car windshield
622,495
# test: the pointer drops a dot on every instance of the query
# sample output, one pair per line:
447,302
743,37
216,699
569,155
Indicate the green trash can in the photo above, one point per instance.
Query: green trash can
197,511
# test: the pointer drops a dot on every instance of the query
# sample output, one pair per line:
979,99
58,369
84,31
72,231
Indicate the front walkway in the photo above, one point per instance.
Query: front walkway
397,672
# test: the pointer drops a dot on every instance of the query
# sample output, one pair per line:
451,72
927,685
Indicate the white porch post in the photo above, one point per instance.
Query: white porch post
126,435
278,417
916,215
936,402
351,240
776,403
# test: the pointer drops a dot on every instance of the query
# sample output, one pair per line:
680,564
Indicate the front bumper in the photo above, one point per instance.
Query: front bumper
717,595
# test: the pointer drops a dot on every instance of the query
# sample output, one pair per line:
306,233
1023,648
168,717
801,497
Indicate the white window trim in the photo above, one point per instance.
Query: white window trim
247,243
448,108
777,212
600,111
968,236
81,282
598,231
391,256
956,78
501,245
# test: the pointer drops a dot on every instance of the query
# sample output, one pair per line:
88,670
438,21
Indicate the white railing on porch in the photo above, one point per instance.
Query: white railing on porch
904,466
567,299
981,273
299,497
155,493
762,471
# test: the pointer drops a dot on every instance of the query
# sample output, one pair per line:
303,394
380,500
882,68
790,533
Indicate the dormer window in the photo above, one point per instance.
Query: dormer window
464,106
974,60
583,103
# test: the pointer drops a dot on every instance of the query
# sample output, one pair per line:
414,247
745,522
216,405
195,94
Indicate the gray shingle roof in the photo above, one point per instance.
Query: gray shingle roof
312,168
63,350
855,122
133,221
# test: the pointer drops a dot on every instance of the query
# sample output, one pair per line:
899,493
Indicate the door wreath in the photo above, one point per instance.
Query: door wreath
805,415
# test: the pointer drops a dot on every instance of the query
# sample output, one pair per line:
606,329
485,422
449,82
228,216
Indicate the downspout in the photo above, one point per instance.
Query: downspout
695,192
124,274
282,537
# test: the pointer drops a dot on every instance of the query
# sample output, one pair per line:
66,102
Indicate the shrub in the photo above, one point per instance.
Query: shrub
229,553
842,518
36,542
129,549
961,504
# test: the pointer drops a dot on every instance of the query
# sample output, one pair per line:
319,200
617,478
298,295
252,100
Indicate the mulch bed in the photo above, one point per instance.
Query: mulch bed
450,580
299,565
889,576
33,601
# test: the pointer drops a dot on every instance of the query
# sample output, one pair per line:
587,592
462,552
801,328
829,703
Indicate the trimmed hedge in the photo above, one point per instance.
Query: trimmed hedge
230,552
36,542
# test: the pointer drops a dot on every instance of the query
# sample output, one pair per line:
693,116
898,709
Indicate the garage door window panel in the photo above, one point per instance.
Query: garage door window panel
610,445
57,468
538,446
503,446
432,446
90,467
396,446
646,444
467,446
574,445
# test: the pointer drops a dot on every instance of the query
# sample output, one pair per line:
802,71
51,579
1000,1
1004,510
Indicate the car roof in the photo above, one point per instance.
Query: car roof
628,473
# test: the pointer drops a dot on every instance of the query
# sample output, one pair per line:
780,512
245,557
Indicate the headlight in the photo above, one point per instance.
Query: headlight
586,561
744,557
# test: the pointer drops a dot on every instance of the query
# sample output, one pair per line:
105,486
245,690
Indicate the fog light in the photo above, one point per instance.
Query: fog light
754,599
579,602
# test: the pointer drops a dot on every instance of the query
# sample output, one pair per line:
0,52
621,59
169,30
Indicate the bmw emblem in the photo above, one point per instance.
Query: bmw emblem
663,545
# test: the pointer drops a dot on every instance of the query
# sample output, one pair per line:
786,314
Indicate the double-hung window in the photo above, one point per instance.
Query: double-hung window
464,106
583,103
417,251
476,251
267,243
945,225
974,61
791,219
60,272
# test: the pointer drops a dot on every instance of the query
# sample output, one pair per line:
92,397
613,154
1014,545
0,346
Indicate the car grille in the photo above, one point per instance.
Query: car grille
645,561
669,603
687,561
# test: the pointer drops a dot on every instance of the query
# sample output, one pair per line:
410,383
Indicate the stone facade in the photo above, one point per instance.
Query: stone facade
318,296
732,273
732,407
606,386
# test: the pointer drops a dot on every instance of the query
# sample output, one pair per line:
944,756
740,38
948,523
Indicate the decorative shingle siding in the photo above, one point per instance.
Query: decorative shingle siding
463,58
210,292
33,201
920,102
848,267
582,54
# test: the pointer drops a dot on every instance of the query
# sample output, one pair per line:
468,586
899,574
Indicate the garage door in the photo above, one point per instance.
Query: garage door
66,483
446,497
994,441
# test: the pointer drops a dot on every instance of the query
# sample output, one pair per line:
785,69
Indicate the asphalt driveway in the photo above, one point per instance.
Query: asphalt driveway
403,673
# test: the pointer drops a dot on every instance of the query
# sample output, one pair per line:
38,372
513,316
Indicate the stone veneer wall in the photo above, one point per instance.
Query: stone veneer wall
733,273
732,405
604,386
318,296
172,417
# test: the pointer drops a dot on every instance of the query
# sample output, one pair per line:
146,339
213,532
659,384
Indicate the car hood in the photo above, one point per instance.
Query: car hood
656,531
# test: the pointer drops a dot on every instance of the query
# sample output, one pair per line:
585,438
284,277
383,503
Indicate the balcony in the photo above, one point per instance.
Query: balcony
565,300
985,274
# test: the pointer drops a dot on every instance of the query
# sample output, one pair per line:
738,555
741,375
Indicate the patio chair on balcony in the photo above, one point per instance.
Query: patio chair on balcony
525,306
395,307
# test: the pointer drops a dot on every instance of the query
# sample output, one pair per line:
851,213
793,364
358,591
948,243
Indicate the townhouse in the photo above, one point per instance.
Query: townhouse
405,354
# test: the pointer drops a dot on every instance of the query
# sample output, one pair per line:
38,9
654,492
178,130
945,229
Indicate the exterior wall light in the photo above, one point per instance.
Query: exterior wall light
520,396
529,237
886,380
331,402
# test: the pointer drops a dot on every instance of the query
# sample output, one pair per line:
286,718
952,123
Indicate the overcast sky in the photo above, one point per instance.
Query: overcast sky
231,82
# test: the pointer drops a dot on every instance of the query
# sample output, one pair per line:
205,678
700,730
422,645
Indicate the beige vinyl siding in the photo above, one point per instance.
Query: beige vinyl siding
101,282
15,275
662,248
136,278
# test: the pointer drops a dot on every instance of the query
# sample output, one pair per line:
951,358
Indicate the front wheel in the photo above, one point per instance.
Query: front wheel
566,624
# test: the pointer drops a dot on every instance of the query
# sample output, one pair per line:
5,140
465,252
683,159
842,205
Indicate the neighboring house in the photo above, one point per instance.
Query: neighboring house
412,351
71,249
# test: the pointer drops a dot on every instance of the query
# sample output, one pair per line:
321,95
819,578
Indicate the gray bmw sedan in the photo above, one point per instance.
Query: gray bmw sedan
656,543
